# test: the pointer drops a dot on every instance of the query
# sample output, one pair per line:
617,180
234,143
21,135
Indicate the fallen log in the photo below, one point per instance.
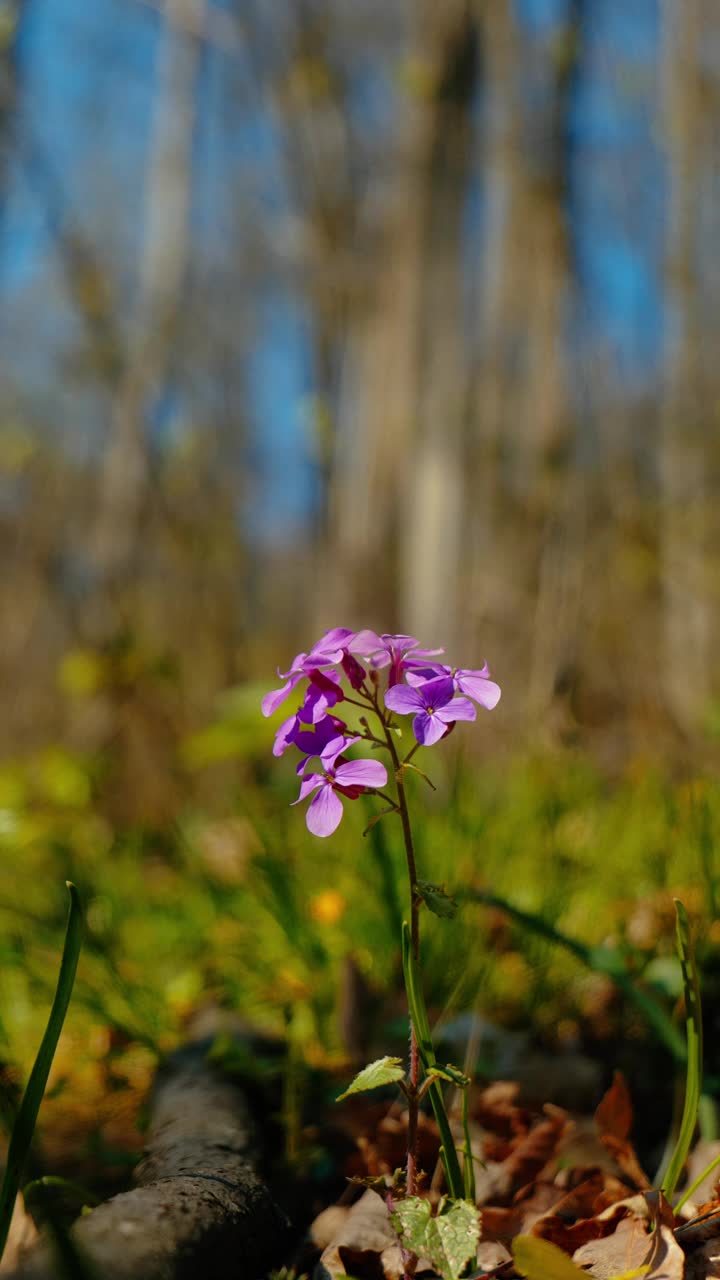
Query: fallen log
200,1210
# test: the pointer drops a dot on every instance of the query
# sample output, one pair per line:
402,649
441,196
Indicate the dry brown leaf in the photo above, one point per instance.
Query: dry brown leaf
327,1226
500,1224
701,1156
532,1153
614,1117
21,1236
632,1245
491,1255
364,1235
614,1114
573,1236
497,1110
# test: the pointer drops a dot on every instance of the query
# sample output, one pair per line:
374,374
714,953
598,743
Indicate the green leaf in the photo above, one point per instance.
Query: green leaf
436,899
450,1074
26,1118
448,1241
540,1260
382,1071
693,1032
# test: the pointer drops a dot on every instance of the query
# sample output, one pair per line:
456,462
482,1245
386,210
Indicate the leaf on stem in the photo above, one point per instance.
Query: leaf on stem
382,814
375,1074
449,1241
407,765
436,899
449,1073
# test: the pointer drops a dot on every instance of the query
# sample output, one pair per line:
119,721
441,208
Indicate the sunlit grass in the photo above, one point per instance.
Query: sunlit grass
238,906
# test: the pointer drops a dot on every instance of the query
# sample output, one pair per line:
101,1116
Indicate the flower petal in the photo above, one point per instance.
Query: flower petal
421,674
335,747
428,729
477,686
324,813
361,773
285,735
404,700
296,668
437,692
273,700
309,784
458,709
365,644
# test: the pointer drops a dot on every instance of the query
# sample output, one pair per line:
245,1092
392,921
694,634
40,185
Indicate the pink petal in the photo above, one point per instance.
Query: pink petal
325,811
361,773
365,644
398,643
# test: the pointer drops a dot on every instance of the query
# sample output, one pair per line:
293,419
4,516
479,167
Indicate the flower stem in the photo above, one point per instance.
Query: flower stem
414,1072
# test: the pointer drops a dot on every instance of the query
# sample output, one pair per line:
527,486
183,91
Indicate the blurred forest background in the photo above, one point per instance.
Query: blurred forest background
339,312
321,313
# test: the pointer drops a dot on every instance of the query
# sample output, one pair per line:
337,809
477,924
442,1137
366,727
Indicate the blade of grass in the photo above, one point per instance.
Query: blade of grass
418,1014
26,1118
693,1027
690,1192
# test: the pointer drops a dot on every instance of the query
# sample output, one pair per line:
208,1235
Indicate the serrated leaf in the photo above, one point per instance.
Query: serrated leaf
410,1219
448,1241
375,1074
436,899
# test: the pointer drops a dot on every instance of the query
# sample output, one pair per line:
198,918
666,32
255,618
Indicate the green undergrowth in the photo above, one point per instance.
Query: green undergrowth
235,904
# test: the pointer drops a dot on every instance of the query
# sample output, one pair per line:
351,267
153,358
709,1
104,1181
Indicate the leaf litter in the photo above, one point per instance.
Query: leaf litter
558,1196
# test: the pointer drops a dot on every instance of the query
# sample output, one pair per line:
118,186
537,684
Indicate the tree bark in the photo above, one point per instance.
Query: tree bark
200,1209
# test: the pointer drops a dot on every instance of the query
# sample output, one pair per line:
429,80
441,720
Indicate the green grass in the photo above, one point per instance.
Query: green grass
237,904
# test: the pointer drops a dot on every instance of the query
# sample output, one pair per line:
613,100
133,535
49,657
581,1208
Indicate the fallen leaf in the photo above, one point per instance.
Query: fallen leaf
21,1236
366,1230
615,1114
540,1260
632,1245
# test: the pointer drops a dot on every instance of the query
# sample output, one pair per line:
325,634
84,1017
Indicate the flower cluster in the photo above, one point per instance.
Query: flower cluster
435,695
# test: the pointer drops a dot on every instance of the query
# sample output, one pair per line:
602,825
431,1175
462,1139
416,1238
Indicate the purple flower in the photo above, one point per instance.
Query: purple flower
433,705
349,778
476,684
400,653
311,739
336,646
